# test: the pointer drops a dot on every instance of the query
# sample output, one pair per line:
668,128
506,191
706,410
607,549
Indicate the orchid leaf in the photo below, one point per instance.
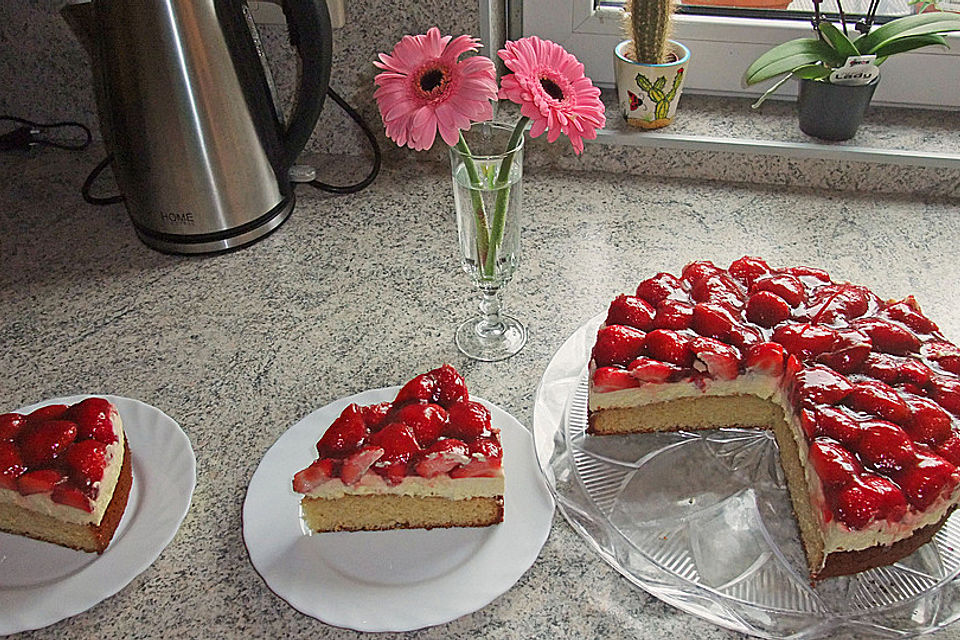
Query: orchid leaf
916,25
813,72
908,43
838,40
801,51
791,55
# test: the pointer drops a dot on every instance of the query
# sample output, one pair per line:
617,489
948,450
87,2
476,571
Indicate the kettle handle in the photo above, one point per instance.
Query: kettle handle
308,22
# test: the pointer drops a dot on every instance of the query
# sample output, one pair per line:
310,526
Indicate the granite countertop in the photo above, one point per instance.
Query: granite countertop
363,291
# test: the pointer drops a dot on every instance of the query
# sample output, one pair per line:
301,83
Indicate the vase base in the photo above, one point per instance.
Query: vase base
476,340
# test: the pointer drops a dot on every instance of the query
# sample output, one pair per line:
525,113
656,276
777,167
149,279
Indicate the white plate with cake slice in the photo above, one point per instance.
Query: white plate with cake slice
391,580
42,583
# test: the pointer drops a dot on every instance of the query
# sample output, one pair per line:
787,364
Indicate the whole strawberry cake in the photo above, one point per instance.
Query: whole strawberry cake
430,458
862,395
65,474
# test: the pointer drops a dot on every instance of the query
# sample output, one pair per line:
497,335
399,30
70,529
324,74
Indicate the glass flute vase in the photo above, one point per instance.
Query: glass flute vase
487,169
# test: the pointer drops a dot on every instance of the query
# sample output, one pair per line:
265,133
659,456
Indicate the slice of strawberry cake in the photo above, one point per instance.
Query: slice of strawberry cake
862,395
65,474
428,459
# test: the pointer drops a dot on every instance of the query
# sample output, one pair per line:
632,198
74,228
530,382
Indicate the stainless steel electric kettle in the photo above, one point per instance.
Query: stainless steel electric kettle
188,112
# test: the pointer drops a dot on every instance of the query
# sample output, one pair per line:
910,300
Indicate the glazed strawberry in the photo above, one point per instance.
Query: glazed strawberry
669,346
427,420
617,344
645,369
743,337
42,442
613,379
468,420
836,423
908,312
347,434
928,422
848,351
765,357
882,367
442,457
805,340
949,449
944,354
885,446
767,309
810,276
914,372
930,478
11,466
39,481
659,288
887,336
858,505
808,422
821,385
71,497
49,412
722,360
631,311
785,286
375,415
308,479
873,396
85,462
719,288
747,269
420,389
357,464
450,385
673,314
93,419
834,465
698,270
398,441
713,320
841,301
10,424
486,460
947,393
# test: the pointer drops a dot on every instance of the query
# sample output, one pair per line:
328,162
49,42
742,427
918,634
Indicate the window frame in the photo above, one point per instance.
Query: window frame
722,48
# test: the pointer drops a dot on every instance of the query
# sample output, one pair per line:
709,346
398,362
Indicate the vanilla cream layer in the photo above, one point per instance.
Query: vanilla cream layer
836,535
764,386
41,502
440,486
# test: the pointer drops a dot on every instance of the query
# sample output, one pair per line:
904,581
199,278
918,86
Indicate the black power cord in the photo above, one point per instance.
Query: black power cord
29,133
375,147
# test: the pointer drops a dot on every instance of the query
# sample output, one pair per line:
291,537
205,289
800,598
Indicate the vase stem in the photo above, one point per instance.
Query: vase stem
491,323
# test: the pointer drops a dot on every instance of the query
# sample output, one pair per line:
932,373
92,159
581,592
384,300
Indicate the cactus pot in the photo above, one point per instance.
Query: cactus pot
833,111
648,93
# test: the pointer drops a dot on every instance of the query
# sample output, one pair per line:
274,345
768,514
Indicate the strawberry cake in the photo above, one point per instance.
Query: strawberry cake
430,458
862,395
64,474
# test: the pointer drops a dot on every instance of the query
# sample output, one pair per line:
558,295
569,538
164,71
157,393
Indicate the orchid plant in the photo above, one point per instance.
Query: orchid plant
426,88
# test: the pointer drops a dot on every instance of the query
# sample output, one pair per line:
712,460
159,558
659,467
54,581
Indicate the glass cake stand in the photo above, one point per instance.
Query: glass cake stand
703,522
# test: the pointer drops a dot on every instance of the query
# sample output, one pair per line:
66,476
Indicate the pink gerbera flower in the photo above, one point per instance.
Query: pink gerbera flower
549,85
425,88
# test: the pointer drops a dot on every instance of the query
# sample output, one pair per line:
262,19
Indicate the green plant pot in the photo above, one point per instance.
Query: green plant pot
833,111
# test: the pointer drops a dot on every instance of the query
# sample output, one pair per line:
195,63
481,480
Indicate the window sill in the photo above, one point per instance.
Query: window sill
887,136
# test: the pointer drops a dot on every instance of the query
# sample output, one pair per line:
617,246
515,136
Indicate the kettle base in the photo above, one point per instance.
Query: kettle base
221,241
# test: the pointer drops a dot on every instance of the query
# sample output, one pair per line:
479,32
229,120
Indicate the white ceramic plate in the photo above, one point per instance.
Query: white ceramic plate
42,583
391,580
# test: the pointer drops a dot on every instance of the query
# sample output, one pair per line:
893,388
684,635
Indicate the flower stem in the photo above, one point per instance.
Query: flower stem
479,214
503,197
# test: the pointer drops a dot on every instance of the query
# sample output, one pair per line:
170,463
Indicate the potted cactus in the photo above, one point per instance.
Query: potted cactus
649,66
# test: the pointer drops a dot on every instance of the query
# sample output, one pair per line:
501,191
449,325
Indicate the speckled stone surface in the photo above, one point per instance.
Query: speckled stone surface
363,291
